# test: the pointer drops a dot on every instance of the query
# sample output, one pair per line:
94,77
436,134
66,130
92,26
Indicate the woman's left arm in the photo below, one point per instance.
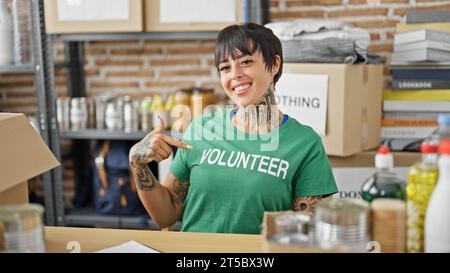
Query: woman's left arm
306,203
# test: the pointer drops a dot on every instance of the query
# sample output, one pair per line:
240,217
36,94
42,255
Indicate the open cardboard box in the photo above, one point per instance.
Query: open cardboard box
23,155
354,105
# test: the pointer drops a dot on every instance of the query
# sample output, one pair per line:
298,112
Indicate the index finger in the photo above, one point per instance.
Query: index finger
177,143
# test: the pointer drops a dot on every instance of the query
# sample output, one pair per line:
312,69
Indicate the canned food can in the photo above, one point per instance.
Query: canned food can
78,113
62,112
21,228
130,115
114,115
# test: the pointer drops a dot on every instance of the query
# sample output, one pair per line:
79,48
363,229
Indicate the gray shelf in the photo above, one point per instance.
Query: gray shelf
105,134
17,68
101,134
199,35
87,217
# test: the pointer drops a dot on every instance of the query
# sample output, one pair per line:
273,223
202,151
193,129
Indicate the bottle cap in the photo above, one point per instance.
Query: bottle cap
428,148
444,119
444,148
384,159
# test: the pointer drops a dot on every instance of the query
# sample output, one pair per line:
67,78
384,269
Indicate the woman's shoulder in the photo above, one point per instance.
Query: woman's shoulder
300,128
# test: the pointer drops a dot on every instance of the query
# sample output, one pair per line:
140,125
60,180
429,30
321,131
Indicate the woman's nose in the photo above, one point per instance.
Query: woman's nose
236,72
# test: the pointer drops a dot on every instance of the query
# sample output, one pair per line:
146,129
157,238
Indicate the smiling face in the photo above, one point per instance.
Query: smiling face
246,78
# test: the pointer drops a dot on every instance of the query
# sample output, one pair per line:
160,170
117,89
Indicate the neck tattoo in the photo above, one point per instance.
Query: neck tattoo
261,116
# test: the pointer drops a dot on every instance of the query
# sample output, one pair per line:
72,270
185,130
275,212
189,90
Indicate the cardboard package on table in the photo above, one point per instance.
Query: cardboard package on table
93,16
23,155
154,22
354,105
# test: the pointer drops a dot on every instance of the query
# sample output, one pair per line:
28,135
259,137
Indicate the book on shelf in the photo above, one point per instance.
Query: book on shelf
408,122
427,16
401,27
420,65
442,74
419,95
407,131
412,115
406,84
421,35
422,45
420,55
416,106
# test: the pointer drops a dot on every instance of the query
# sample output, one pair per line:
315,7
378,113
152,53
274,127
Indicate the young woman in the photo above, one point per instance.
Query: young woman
234,165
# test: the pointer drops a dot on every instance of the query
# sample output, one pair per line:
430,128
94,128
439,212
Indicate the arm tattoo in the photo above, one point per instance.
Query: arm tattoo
181,189
306,203
145,180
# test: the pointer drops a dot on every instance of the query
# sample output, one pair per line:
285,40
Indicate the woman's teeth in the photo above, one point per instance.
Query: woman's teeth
241,88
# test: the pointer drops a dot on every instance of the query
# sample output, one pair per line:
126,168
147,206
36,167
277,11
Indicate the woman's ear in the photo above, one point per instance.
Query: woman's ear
276,66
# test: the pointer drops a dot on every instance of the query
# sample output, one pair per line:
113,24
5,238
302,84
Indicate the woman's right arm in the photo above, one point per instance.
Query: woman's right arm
164,202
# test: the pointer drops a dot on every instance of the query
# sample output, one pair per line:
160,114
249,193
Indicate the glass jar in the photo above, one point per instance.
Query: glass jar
293,229
21,228
342,223
182,112
200,99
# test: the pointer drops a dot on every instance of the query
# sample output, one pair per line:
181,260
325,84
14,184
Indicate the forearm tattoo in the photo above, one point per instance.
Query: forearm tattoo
306,203
181,189
145,180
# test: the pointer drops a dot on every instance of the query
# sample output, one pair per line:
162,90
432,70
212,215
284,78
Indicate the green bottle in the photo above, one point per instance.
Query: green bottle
384,183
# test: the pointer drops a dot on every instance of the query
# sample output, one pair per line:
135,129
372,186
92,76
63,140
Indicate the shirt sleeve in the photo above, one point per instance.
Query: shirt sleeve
181,167
314,175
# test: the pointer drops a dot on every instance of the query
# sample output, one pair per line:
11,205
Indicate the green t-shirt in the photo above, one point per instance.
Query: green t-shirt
235,176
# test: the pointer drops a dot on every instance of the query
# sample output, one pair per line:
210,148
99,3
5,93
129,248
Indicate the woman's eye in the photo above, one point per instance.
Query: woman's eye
224,68
244,62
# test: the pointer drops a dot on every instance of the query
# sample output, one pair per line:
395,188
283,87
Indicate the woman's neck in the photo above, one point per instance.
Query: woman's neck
261,117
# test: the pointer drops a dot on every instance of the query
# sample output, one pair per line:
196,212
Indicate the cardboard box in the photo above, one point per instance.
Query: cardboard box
86,16
153,19
23,155
354,105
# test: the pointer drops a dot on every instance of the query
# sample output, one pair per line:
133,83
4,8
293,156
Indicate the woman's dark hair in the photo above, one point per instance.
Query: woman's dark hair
246,39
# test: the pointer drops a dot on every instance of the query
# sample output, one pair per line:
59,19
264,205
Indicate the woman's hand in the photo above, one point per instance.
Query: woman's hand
154,147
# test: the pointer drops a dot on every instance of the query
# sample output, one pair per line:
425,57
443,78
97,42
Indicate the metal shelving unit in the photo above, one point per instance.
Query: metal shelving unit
92,134
17,68
40,65
73,44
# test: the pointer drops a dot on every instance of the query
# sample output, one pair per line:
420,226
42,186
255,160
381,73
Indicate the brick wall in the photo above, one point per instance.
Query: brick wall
141,67
379,17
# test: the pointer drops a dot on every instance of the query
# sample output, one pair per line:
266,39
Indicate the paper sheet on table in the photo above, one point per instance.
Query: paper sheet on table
129,247
197,11
93,10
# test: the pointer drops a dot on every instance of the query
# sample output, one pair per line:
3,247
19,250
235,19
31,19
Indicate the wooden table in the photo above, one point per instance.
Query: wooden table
93,239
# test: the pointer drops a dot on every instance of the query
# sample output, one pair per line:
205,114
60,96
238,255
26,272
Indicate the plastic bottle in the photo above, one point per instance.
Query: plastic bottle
443,130
422,178
158,111
384,183
437,218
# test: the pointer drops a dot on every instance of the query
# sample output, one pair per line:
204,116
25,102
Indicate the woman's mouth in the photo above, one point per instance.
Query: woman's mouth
242,89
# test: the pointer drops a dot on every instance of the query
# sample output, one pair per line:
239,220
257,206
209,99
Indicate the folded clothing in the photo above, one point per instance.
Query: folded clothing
329,50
